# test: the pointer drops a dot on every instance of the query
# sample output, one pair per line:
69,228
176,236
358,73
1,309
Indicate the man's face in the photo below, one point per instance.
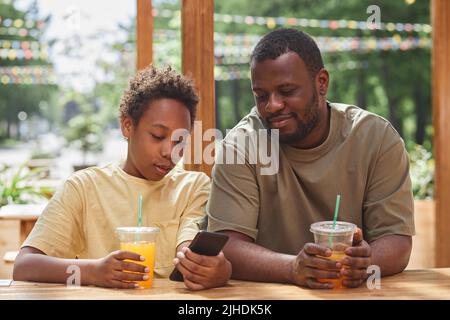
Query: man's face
149,143
286,96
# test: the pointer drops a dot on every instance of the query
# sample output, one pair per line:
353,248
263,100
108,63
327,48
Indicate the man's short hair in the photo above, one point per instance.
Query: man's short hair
281,41
151,84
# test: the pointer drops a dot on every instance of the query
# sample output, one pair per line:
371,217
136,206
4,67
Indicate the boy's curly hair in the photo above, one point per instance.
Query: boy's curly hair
151,84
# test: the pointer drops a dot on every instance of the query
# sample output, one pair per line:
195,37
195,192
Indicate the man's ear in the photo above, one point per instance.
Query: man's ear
126,125
323,79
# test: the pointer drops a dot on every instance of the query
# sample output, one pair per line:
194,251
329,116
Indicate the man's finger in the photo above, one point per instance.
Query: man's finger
352,283
363,250
321,263
321,274
356,262
354,274
315,249
357,237
314,284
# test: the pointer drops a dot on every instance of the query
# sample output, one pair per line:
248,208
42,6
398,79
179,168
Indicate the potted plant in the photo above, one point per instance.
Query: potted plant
16,186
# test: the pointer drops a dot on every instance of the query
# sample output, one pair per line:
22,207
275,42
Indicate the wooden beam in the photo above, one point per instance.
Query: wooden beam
440,16
197,29
144,34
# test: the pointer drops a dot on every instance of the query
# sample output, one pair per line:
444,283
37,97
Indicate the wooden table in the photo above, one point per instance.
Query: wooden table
27,214
411,284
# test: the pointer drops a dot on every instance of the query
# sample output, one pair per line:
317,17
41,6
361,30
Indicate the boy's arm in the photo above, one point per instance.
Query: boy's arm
34,265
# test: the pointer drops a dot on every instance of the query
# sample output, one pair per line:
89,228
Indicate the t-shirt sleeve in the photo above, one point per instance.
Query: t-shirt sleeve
389,206
194,214
234,200
58,232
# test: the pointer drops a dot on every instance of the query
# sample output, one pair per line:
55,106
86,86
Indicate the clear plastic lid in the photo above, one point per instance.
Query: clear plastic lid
326,227
137,230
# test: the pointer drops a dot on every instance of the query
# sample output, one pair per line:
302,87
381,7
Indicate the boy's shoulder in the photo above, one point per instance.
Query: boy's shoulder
180,174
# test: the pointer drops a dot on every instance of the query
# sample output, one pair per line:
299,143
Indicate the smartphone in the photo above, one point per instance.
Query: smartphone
205,243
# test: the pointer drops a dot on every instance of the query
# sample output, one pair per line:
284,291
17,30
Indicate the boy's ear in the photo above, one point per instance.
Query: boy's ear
126,125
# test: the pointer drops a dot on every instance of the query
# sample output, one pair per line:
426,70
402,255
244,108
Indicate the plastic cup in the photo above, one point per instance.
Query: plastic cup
140,240
337,239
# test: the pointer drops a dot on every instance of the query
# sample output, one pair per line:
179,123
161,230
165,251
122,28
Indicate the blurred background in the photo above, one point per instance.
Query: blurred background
65,64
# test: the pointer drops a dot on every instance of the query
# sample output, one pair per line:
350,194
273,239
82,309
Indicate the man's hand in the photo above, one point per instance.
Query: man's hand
110,271
202,272
359,258
307,267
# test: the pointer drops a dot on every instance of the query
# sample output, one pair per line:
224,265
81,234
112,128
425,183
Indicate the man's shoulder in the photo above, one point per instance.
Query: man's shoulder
181,175
364,124
249,124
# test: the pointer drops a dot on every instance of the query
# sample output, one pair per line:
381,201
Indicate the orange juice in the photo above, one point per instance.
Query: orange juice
146,249
337,256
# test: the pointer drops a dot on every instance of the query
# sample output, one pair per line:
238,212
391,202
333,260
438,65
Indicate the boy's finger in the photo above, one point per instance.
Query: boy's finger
354,274
205,261
192,285
124,285
356,263
126,276
131,266
189,274
122,255
194,267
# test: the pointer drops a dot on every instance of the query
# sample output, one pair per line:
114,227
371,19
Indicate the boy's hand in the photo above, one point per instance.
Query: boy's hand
358,259
110,271
202,272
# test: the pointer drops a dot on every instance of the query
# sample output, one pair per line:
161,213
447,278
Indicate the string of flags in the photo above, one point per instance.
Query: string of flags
227,73
28,75
272,22
21,23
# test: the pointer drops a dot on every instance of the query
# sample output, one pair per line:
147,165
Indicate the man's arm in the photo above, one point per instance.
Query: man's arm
255,263
391,253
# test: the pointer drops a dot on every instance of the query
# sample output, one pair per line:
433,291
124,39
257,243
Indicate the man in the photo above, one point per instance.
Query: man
325,149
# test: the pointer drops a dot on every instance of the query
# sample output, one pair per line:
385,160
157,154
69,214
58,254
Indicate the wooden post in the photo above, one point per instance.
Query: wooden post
144,34
198,62
440,16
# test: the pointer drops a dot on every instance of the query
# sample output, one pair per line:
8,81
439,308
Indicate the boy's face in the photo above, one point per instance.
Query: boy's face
149,143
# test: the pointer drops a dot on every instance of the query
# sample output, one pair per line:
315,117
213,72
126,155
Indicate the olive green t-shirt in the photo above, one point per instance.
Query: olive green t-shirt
363,159
81,218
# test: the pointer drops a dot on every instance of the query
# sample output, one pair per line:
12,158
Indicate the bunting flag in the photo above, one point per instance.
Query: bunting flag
21,23
236,48
272,22
227,73
23,50
27,75
21,32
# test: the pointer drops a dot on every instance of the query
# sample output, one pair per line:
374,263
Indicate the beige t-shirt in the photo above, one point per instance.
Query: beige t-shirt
363,159
80,220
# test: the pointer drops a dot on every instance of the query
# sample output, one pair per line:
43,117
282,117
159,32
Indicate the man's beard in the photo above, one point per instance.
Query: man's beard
304,128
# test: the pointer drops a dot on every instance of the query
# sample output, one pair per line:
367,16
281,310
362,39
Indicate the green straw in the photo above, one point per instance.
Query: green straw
138,236
140,211
336,211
